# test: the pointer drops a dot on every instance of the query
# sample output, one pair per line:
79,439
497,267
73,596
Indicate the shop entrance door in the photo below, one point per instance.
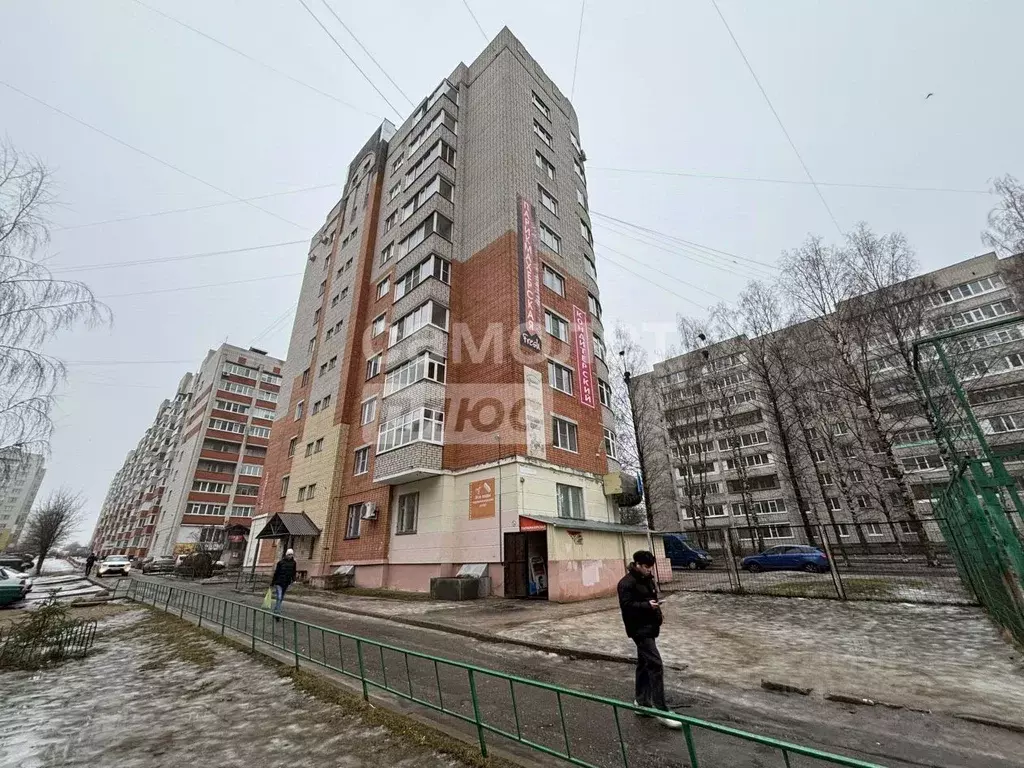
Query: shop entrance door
517,573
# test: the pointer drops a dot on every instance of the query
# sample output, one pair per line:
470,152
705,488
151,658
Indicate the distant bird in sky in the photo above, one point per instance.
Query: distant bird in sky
928,96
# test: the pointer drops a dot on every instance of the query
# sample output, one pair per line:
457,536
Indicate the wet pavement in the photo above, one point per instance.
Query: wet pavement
132,704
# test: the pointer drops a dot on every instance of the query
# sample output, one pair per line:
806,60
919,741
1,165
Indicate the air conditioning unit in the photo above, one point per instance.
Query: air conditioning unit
369,511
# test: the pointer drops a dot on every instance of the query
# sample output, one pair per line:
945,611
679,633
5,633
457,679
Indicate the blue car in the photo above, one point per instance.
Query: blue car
788,557
683,554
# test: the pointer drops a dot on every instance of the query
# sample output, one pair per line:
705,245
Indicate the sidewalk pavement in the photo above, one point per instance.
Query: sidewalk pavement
940,658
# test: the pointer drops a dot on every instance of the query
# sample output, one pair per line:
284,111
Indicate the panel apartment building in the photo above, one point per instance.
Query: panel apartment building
133,502
24,474
216,468
727,472
445,397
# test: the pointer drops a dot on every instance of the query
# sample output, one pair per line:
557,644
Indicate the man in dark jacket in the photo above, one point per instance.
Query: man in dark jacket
89,562
284,575
641,614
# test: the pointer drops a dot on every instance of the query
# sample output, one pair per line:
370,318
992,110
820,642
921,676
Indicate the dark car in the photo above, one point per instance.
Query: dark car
787,557
16,562
683,554
159,565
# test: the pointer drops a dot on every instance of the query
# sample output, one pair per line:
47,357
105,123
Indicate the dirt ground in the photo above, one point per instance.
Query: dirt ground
150,695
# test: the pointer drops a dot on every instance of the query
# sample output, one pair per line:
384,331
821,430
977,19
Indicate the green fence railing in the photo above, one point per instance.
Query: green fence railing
540,716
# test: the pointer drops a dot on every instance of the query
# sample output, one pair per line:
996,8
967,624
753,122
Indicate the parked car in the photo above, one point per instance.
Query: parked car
683,554
158,565
16,562
13,586
788,557
115,565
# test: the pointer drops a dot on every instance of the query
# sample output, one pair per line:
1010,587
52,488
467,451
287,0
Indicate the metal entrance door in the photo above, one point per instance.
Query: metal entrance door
517,575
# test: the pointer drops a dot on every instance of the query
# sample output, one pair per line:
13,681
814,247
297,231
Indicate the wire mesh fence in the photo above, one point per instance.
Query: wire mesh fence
548,719
905,561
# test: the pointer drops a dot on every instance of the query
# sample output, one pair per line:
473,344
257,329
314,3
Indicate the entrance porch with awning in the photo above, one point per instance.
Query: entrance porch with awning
289,531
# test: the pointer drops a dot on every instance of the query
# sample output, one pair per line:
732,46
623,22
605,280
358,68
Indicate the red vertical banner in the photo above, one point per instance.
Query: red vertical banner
584,355
529,279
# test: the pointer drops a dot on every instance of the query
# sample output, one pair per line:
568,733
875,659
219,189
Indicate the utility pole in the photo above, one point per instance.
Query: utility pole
627,378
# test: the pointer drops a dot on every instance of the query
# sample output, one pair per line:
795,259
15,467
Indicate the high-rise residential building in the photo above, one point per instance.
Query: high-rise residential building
134,500
216,467
22,476
724,457
445,399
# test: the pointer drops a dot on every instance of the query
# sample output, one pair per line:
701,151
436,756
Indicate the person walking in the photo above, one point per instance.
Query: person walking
284,575
641,615
89,562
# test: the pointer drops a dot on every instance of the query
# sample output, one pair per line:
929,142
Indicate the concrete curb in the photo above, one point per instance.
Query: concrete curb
487,637
992,722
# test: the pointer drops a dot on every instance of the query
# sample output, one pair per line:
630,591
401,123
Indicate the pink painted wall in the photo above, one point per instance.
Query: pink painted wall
572,580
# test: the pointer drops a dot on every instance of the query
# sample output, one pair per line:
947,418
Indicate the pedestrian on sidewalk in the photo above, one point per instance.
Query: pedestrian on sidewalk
284,575
89,561
641,614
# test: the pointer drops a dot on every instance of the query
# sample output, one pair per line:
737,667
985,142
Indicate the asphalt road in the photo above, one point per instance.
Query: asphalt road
874,734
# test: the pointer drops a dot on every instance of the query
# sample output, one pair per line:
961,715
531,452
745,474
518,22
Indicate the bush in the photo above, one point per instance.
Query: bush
47,637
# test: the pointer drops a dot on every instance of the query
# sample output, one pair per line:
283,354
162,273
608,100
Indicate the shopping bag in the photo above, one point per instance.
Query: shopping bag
268,599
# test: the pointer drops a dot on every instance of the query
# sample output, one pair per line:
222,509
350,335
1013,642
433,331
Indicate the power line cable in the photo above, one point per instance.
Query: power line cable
766,180
273,325
347,56
168,259
486,38
144,153
655,284
193,208
662,272
128,362
579,37
199,287
778,119
256,61
363,47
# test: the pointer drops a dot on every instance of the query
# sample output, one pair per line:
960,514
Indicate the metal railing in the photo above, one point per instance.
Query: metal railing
488,701
29,651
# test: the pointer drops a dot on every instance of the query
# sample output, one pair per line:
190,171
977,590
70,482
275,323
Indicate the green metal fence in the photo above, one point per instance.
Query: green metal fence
981,508
540,716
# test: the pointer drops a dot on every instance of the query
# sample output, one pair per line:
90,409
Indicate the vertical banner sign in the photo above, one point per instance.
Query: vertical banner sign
533,413
481,499
584,360
529,278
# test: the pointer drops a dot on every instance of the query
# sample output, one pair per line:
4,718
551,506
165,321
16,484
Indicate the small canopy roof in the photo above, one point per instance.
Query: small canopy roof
283,525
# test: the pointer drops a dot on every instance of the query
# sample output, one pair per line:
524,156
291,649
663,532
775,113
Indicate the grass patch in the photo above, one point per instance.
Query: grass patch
868,587
390,594
173,644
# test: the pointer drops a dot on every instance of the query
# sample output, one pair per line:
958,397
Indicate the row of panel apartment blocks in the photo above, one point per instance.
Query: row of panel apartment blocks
728,462
445,399
21,474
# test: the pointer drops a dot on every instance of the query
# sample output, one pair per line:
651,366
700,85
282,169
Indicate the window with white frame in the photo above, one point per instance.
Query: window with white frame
236,388
440,148
550,239
428,313
547,200
387,252
284,486
252,470
556,326
843,529
378,326
976,315
208,486
564,434
223,425
262,413
383,287
542,133
353,521
569,501
967,290
604,391
553,280
586,233
408,512
438,185
231,406
242,510
373,366
424,366
1008,422
594,306
544,164
611,445
599,351
318,446
863,502
390,221
539,104
906,527
575,142
833,503
435,223
256,431
270,378
361,461
368,412
207,509
432,266
270,397
418,425
873,529
240,370
560,377
395,191
591,268
923,463
580,197
856,476
578,167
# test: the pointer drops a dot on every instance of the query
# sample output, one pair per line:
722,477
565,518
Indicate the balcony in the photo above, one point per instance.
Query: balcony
207,453
429,338
431,288
416,461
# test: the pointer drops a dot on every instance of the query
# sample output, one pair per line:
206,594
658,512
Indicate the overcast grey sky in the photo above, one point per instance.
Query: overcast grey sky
660,86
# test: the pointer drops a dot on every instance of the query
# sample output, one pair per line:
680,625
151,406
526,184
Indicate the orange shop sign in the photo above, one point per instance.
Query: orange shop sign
481,499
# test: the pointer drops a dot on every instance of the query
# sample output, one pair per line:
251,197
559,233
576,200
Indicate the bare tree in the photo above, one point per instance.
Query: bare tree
52,523
34,307
1005,231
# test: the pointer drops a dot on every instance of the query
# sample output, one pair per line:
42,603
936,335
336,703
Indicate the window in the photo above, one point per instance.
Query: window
361,462
977,315
923,463
440,149
610,444
550,239
247,490
310,491
299,407
560,377
539,104
825,478
585,231
598,347
437,185
369,411
301,495
564,434
395,191
354,520
230,405
387,252
556,326
544,164
542,134
262,413
227,426
1009,422
578,167
441,118
591,268
246,511
323,370
239,370
553,280
284,486
594,305
408,510
833,503
874,529
390,221
316,315
856,476
966,290
373,366
575,142
378,326
547,200
906,527
843,529
432,266
863,502
383,287
318,446
435,223
238,389
270,397
292,444
419,425
252,470
580,197
332,363
208,486
569,500
263,432
207,509
604,391
309,449
323,288
424,366
312,344
428,313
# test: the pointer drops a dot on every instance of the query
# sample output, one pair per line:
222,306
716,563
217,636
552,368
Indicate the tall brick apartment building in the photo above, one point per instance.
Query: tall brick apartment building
445,397
216,468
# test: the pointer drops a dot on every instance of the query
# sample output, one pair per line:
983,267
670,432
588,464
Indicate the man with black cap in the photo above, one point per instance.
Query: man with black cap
641,613
284,575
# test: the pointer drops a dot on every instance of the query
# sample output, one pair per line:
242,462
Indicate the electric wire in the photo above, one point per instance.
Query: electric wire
171,259
579,37
199,287
486,38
